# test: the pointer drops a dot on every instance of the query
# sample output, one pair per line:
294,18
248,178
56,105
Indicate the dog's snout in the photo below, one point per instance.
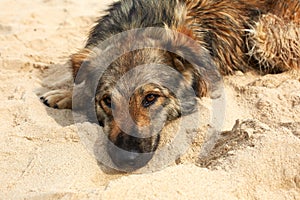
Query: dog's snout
130,153
126,158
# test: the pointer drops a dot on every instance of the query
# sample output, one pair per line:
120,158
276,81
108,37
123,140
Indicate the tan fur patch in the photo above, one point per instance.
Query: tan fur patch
114,131
78,58
271,43
140,114
288,10
186,31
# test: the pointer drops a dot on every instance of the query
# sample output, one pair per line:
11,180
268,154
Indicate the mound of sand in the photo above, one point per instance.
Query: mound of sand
43,157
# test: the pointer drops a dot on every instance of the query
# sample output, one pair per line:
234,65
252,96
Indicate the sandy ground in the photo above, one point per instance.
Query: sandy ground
43,157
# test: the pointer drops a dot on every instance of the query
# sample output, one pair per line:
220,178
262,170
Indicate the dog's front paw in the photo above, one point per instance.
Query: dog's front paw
59,99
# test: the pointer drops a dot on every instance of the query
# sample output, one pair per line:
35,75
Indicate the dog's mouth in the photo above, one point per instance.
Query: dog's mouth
130,153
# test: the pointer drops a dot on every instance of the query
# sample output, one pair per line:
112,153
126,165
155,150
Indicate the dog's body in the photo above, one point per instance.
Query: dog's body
224,29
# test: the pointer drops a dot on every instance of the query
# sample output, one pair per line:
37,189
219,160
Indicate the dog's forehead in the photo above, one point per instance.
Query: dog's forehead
132,70
139,57
149,87
127,88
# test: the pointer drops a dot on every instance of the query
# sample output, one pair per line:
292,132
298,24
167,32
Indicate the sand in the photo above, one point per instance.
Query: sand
42,155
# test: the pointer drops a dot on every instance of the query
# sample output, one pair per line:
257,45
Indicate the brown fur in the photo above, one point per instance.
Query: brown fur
78,58
233,35
288,11
275,43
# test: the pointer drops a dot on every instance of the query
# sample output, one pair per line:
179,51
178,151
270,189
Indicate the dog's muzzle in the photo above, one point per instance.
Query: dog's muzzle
129,153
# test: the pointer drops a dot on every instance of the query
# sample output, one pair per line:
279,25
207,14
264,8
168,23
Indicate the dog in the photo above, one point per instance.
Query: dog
199,41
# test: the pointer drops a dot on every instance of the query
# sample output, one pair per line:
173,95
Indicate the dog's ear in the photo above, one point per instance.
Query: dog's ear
191,76
194,61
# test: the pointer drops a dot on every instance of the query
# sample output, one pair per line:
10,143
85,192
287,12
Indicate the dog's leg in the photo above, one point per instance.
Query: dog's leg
60,99
274,41
275,44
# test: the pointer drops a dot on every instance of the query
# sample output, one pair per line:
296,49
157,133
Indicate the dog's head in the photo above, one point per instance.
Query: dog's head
139,93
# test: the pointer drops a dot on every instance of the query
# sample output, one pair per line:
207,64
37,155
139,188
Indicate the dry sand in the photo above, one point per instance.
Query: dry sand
42,156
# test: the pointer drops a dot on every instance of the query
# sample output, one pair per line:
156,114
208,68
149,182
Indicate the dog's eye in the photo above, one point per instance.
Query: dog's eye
107,101
149,100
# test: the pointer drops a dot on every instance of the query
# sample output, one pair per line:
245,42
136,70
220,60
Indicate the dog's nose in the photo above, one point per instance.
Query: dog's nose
128,159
